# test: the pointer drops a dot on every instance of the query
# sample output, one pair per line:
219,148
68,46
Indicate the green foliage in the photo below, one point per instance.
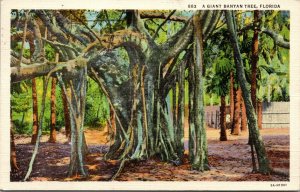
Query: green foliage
26,51
217,77
20,100
50,52
273,65
21,104
107,21
97,108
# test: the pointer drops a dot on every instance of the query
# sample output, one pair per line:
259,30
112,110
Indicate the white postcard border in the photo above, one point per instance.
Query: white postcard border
292,5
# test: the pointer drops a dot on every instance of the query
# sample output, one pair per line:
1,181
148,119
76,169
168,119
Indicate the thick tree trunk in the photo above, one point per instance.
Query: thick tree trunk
74,85
52,138
244,116
200,161
263,161
127,103
231,95
237,113
223,136
259,114
35,125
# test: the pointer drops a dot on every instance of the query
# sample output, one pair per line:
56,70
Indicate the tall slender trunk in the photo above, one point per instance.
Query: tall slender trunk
200,161
180,116
244,116
253,88
237,112
192,141
231,97
254,58
66,115
35,124
263,161
259,114
52,138
223,136
35,121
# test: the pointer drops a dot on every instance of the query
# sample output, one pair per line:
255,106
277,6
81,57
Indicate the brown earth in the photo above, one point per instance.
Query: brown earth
229,160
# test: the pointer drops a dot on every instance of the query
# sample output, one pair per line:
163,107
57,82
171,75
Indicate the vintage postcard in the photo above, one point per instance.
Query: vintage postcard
150,95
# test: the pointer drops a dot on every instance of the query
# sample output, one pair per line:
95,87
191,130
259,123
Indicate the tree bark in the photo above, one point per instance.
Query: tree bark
192,139
74,85
254,58
36,54
223,136
174,106
231,98
112,120
259,114
52,138
66,115
35,125
244,116
237,113
200,161
263,161
180,116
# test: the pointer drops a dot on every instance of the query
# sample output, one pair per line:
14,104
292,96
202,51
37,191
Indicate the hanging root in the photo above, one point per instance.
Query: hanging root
110,102
40,125
119,170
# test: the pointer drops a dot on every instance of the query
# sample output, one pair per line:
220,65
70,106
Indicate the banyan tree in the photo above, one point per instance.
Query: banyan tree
136,90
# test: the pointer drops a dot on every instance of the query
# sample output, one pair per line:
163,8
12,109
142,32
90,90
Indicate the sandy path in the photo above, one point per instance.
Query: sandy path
229,161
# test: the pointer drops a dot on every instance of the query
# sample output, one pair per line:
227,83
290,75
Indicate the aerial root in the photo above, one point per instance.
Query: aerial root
119,170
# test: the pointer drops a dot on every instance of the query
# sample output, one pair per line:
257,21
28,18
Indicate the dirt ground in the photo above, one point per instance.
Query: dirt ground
229,160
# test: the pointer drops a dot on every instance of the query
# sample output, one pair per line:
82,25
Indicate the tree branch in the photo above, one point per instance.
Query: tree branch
145,15
62,23
141,27
211,25
40,69
164,22
24,37
178,42
54,30
278,39
87,27
64,46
